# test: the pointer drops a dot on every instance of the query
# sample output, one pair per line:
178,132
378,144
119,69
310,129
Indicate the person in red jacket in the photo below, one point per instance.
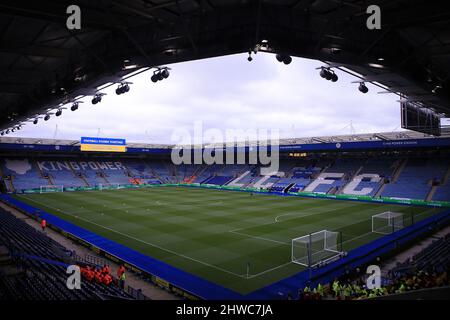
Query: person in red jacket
43,224
90,275
98,276
106,269
120,271
107,279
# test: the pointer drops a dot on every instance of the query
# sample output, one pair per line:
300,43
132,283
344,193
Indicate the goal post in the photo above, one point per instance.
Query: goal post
387,222
45,189
316,248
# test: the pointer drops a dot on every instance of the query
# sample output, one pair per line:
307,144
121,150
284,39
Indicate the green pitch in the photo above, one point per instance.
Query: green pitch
215,234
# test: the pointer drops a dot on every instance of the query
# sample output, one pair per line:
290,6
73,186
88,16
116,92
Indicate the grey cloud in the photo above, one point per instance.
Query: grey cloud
229,92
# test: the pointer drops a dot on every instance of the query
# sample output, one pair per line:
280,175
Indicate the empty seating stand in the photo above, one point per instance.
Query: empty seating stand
414,181
434,258
414,178
40,264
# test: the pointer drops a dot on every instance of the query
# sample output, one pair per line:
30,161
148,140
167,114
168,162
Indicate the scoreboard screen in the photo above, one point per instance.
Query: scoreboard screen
420,119
103,144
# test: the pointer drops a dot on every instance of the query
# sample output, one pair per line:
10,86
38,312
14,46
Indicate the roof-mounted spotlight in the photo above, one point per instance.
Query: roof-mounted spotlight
328,74
13,129
47,117
362,87
122,88
250,58
285,58
7,131
334,77
73,107
323,72
2,133
98,98
58,112
35,121
160,74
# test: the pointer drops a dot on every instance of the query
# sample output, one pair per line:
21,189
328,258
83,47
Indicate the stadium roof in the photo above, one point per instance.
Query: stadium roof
384,136
43,64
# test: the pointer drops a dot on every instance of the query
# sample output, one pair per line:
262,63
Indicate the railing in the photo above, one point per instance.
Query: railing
439,293
95,260
136,294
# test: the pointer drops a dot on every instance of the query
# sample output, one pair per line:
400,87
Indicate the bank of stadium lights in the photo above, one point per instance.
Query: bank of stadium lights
284,58
160,74
121,89
16,128
10,130
328,74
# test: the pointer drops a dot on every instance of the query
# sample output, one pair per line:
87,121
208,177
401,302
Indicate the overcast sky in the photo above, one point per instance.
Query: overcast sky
229,93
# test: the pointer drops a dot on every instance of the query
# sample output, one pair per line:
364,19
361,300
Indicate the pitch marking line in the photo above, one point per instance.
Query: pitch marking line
268,270
259,238
140,240
291,214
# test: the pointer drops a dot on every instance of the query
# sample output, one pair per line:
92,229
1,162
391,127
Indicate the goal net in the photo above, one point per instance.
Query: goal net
45,189
387,222
316,248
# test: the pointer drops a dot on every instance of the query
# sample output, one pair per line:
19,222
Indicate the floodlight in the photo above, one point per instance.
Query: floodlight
362,87
285,58
73,107
334,77
165,73
97,98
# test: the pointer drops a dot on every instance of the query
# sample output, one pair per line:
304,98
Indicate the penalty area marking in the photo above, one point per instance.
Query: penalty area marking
259,238
142,241
175,253
277,218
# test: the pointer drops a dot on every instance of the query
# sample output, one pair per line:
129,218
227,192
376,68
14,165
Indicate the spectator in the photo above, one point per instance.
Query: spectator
122,280
107,279
43,224
120,271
